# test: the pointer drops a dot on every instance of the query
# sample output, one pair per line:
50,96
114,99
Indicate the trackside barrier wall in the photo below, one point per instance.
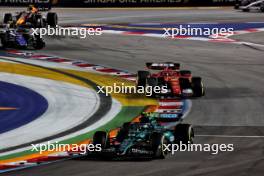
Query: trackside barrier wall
118,3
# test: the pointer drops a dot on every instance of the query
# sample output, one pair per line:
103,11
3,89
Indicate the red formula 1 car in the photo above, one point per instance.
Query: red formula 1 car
178,83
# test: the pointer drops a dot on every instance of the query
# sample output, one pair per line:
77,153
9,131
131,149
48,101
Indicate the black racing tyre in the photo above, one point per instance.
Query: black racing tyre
142,77
126,125
8,18
4,41
184,133
38,43
122,134
185,73
262,7
152,83
157,141
100,137
185,83
52,19
198,87
39,22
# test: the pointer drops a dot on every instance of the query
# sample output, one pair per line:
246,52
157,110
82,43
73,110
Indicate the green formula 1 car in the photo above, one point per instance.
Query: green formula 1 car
145,138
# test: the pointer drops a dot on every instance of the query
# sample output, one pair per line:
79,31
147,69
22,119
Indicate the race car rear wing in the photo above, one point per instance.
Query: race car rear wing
162,66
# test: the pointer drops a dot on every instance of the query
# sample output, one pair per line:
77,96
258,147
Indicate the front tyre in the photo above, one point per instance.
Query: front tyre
151,83
4,41
184,133
158,140
38,43
100,137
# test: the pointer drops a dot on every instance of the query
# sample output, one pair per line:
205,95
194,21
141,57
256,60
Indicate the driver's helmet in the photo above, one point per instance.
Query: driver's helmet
32,9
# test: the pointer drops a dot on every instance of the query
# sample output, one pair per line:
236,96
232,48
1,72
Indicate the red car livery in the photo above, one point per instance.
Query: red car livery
178,83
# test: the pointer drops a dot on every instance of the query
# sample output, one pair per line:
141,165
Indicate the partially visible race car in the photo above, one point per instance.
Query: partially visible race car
178,83
247,5
145,138
32,18
21,38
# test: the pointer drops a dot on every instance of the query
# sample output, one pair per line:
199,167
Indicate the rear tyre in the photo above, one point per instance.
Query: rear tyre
184,133
52,19
8,18
198,87
38,43
151,82
142,77
100,137
157,141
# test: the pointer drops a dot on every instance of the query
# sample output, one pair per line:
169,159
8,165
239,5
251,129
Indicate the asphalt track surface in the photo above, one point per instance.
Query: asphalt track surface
231,112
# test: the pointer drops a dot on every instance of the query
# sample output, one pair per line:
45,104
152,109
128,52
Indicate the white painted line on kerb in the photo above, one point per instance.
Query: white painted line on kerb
229,136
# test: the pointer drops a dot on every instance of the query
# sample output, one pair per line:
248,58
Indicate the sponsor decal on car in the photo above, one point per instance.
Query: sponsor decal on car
140,151
169,116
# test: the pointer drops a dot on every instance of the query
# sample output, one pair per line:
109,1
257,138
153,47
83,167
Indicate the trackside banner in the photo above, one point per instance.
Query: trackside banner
117,3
